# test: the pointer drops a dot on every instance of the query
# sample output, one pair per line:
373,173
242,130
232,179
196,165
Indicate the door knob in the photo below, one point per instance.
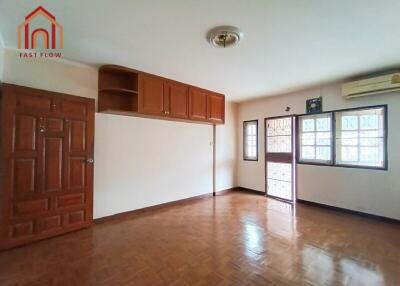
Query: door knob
90,161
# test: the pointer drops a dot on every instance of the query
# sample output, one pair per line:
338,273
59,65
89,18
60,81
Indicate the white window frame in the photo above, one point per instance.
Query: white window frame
247,157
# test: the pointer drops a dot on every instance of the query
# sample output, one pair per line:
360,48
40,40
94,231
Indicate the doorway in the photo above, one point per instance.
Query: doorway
280,150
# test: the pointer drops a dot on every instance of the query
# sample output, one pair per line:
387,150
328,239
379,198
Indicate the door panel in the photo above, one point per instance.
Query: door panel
77,136
178,100
33,102
31,207
151,99
54,125
53,166
75,217
73,108
22,230
25,133
46,158
70,200
24,176
77,172
279,157
216,108
197,104
51,223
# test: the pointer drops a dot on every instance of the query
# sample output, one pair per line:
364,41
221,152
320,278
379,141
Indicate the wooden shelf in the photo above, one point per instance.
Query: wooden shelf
119,90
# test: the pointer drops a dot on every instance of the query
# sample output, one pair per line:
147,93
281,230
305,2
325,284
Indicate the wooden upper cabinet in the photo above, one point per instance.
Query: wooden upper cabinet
197,104
131,92
151,94
177,103
216,108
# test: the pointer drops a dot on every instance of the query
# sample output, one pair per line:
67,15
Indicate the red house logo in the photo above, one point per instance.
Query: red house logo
40,30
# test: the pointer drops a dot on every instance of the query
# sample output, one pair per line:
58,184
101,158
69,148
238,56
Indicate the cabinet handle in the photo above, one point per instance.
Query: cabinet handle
42,129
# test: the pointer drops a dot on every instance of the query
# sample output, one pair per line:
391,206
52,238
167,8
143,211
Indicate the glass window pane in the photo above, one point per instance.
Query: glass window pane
369,141
308,125
370,121
370,134
308,139
279,180
324,124
323,153
349,138
349,122
279,135
369,155
279,127
308,153
323,138
349,154
279,144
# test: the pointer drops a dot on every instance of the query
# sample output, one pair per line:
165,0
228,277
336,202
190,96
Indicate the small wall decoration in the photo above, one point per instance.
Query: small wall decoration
314,105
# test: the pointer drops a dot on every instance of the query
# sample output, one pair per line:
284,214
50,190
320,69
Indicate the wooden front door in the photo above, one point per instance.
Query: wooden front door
47,164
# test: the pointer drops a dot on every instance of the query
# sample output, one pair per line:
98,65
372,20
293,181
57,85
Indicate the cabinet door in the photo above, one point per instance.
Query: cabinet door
197,104
216,108
178,100
47,151
151,95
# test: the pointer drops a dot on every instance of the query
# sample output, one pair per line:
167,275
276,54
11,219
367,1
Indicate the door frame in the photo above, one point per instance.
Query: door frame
294,162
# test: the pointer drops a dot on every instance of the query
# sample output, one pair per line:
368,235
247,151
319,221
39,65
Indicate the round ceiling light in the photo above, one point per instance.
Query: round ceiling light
224,36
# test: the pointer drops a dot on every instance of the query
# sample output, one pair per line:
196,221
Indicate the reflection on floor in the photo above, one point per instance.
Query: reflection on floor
232,239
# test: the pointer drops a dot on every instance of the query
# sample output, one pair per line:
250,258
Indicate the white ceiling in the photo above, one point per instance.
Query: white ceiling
288,44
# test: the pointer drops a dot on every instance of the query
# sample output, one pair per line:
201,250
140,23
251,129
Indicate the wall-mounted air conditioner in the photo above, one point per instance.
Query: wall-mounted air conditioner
372,85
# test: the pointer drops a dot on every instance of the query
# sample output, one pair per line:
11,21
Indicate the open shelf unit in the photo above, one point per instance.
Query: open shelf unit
118,88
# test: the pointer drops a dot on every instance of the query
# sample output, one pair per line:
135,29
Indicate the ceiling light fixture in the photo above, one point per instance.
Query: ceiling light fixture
224,36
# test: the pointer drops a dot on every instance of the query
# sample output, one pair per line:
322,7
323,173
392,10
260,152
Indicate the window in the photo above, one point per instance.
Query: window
360,137
316,138
250,140
356,139
279,135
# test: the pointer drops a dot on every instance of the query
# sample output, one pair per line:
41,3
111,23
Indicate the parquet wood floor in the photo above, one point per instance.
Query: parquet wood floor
232,239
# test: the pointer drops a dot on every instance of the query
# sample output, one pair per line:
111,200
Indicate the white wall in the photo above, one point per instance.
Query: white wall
143,162
138,162
55,75
370,191
226,146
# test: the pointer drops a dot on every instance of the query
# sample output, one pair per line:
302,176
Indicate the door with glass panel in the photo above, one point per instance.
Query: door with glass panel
279,157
